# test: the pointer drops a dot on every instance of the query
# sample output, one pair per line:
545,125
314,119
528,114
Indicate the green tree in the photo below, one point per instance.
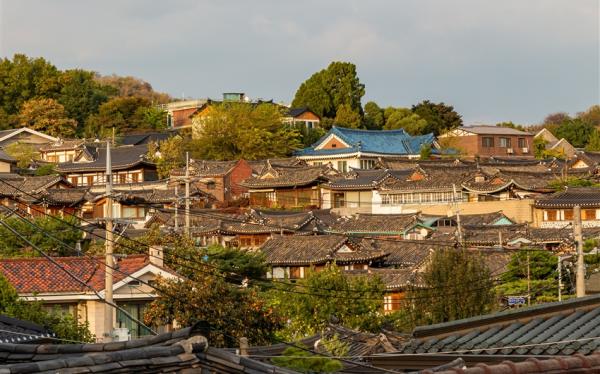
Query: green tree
455,284
237,263
540,151
373,118
593,144
125,114
591,116
511,125
168,154
238,130
81,95
439,117
308,136
131,86
329,293
346,117
425,153
24,78
65,326
556,118
575,131
23,153
46,169
48,116
325,91
404,118
542,271
301,360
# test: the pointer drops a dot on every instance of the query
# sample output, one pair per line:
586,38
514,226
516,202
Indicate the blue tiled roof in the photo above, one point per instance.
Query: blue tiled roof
392,142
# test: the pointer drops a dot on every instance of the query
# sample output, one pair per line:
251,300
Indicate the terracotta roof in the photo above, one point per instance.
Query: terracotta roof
280,176
316,249
39,275
586,197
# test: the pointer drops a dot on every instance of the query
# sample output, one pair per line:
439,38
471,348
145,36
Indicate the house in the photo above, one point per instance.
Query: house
288,186
585,160
397,226
552,143
221,179
144,138
179,112
7,162
348,149
291,256
40,279
186,350
129,165
24,135
487,141
302,116
556,210
64,150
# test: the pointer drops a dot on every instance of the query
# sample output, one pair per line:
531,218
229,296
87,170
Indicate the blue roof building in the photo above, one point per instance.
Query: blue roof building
351,148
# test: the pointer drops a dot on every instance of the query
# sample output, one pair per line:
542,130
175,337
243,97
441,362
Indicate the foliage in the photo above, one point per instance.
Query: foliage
373,117
539,288
511,125
455,284
591,116
23,153
325,91
12,246
560,184
542,265
575,131
47,116
308,136
133,87
46,169
239,130
300,359
425,152
329,293
236,263
347,117
168,154
439,117
404,118
540,151
65,326
124,114
593,144
556,118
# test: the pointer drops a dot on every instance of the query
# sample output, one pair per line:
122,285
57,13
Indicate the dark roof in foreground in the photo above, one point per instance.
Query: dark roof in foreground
14,330
184,350
559,328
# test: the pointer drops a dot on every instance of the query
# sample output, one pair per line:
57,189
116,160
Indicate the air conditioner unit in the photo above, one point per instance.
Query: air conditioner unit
525,150
509,150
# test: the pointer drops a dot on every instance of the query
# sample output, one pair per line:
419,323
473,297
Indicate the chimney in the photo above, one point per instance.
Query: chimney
156,255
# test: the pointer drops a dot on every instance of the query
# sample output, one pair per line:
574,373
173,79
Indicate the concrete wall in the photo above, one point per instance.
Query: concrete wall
519,211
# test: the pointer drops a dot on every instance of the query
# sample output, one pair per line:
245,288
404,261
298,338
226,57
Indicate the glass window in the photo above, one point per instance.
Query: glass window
136,310
367,164
505,142
551,215
522,143
568,214
589,214
342,166
488,141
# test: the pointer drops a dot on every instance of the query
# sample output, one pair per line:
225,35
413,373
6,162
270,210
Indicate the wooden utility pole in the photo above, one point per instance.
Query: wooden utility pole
187,193
176,209
109,264
528,281
559,277
457,212
578,236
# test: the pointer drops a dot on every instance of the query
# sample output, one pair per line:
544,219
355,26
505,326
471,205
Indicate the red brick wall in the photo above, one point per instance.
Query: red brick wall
472,145
240,172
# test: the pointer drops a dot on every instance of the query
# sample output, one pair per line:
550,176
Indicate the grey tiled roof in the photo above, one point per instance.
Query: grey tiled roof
584,197
206,168
14,330
534,328
385,224
123,157
283,176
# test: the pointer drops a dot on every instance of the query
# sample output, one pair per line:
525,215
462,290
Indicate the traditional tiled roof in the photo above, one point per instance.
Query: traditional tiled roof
363,179
405,253
39,275
383,142
207,168
483,219
316,249
530,330
6,157
14,330
259,165
62,145
64,196
489,180
586,197
430,178
180,351
21,186
280,176
314,220
376,224
394,279
138,139
123,157
158,196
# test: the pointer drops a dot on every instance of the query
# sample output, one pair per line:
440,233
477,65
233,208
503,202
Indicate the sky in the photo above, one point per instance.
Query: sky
494,61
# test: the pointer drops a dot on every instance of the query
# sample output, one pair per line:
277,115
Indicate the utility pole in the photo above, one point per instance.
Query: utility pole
109,264
187,193
578,236
457,212
176,209
528,281
559,278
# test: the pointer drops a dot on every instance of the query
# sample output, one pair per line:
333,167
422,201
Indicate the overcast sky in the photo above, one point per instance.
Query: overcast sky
508,60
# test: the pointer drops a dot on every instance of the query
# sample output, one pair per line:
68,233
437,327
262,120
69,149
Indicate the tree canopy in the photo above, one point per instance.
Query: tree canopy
347,117
374,118
404,118
575,131
325,91
239,130
439,117
48,116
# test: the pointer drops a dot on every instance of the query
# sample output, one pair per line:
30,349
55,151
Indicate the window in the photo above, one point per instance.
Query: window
122,178
487,142
136,310
90,180
318,163
73,181
135,177
522,143
505,142
568,214
132,212
367,164
295,273
551,215
342,166
333,145
588,214
210,185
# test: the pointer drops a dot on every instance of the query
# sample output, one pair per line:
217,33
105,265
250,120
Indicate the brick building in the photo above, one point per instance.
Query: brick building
488,141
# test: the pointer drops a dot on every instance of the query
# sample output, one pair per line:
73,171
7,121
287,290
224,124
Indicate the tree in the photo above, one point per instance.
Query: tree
23,153
355,302
65,326
81,95
239,130
556,118
425,153
301,360
511,125
133,87
46,169
325,91
48,116
24,78
591,116
404,118
542,267
439,117
575,131
593,144
373,118
168,154
455,284
346,117
540,151
125,114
